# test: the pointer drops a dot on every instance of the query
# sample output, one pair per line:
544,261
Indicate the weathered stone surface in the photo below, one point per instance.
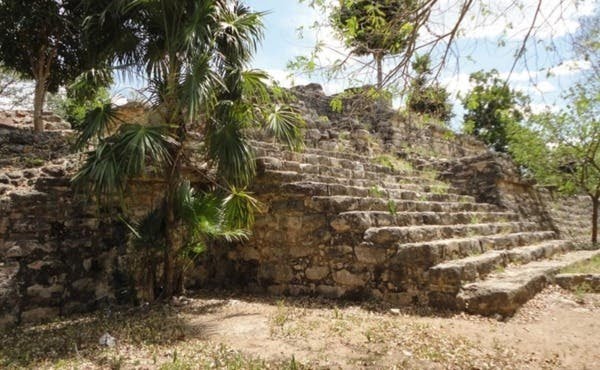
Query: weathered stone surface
337,221
505,293
369,254
39,314
345,277
589,283
317,272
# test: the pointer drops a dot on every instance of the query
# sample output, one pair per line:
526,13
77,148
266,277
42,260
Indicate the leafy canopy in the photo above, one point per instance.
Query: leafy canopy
40,34
492,107
374,27
425,96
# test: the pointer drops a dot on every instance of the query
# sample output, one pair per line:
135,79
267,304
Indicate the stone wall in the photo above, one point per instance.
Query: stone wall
572,215
494,178
58,255
403,134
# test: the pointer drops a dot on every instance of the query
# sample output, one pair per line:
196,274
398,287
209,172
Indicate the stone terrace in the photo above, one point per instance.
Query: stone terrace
339,225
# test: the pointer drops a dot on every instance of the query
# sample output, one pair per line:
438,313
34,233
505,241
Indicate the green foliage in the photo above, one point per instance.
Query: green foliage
392,208
376,192
426,97
122,156
392,163
40,34
376,28
44,40
195,56
492,107
201,218
563,149
74,110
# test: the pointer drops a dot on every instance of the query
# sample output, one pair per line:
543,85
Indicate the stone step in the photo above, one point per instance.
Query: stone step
282,161
314,188
445,279
342,203
278,150
360,221
438,251
409,183
504,292
390,235
350,170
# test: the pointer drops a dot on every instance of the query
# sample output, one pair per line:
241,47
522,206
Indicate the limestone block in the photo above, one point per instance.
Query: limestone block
369,255
330,291
347,278
45,292
84,284
8,320
39,314
317,272
298,250
276,272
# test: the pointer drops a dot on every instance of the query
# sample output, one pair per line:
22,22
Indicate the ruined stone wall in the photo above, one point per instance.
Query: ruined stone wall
57,254
494,178
571,215
403,134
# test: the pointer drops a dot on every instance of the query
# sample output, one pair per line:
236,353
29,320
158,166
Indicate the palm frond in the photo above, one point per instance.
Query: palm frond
233,155
101,174
239,208
97,124
198,86
121,157
284,124
239,32
254,85
136,144
149,231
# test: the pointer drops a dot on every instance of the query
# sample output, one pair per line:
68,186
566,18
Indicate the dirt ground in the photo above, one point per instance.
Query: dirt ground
556,330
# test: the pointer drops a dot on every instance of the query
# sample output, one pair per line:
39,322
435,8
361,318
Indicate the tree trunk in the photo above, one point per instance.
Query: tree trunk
38,102
595,203
379,62
174,238
170,260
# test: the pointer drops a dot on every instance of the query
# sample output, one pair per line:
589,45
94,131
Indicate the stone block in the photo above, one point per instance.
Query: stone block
329,291
38,291
369,254
39,314
317,272
345,277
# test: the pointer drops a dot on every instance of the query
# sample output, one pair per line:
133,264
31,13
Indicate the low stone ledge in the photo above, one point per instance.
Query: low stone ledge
589,282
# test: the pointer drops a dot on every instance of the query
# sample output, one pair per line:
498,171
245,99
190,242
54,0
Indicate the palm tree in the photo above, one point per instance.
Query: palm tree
194,55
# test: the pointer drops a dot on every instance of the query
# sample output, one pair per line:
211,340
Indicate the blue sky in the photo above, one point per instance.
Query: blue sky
542,74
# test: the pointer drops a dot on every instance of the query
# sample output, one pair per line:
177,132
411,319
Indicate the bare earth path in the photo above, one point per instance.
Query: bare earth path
556,330
551,331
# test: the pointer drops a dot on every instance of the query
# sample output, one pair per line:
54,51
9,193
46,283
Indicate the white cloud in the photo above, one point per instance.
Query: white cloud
537,108
457,84
570,67
544,87
512,19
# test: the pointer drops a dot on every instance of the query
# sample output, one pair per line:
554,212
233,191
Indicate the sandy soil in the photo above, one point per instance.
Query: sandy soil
555,330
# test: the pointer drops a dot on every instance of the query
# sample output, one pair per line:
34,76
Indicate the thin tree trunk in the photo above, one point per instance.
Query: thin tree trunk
595,203
169,263
38,102
379,62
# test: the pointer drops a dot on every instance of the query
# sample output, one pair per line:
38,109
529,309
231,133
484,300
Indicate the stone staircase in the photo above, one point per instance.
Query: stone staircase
339,225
